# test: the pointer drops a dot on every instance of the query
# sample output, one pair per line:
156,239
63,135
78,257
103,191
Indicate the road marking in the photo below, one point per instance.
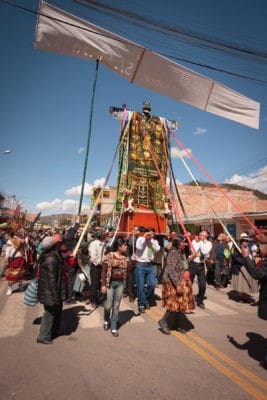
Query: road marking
192,341
212,306
244,371
244,307
13,315
218,309
3,287
93,318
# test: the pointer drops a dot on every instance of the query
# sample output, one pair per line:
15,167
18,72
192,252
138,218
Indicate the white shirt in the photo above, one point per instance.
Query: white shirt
10,250
142,249
204,247
96,251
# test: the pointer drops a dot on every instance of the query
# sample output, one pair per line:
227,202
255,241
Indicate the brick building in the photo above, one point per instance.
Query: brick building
205,206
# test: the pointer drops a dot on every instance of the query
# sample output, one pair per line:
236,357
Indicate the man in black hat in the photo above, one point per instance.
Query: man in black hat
146,110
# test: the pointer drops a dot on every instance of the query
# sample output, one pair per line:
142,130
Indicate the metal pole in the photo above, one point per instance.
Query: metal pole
88,137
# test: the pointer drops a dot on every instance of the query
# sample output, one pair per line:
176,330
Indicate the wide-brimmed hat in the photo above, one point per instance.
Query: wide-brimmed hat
244,237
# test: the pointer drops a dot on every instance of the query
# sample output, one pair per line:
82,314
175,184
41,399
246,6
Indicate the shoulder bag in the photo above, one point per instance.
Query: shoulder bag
30,296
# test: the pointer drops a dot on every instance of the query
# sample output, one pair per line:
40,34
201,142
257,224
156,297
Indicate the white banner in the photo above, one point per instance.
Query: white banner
61,32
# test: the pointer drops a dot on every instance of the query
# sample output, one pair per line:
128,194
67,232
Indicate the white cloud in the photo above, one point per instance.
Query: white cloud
80,150
177,182
70,205
88,188
52,205
256,181
76,190
199,131
176,153
99,182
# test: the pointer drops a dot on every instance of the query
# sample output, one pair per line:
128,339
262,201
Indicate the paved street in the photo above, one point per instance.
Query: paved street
88,363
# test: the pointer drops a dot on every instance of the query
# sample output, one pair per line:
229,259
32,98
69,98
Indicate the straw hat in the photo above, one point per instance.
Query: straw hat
244,237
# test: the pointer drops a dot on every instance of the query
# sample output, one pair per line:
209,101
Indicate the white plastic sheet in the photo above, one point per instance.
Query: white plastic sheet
61,32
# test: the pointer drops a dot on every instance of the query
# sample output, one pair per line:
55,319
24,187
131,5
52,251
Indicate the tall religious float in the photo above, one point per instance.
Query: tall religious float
143,169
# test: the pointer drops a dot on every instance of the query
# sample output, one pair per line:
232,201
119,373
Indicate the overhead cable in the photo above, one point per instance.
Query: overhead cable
170,56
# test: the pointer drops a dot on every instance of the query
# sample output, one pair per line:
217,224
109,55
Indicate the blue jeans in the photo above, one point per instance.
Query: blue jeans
144,274
112,303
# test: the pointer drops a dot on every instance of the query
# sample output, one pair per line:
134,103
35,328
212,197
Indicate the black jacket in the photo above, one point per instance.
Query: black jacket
259,273
237,262
51,285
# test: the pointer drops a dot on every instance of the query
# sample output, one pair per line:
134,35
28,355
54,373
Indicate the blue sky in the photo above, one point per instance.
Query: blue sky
45,100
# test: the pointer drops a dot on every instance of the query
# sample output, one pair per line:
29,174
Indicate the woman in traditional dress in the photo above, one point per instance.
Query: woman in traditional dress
16,263
242,282
113,277
177,292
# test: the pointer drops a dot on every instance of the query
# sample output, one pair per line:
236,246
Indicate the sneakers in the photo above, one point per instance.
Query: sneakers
46,341
254,303
106,326
114,333
9,291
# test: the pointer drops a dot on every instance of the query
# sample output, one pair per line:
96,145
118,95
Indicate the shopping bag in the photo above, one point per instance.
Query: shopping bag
30,296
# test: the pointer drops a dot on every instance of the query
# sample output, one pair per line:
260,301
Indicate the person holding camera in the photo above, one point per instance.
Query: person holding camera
202,247
146,248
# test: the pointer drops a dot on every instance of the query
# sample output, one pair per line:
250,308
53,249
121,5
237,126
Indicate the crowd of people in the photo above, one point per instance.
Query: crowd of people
107,267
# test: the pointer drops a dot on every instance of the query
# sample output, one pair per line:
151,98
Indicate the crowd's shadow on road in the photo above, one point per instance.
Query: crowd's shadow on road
256,345
126,316
70,319
234,295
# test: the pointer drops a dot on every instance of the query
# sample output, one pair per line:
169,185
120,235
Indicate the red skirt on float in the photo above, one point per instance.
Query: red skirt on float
16,270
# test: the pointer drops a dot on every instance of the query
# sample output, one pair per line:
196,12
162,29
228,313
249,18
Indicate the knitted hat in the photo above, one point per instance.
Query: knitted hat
97,234
49,242
178,240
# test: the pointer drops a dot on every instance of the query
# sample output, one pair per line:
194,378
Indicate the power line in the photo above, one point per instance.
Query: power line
189,36
249,52
250,178
255,166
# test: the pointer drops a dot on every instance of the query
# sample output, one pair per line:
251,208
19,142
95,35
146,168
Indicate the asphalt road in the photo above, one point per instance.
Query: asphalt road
88,363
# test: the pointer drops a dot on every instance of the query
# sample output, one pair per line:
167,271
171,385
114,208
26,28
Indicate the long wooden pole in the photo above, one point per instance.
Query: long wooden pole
88,138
